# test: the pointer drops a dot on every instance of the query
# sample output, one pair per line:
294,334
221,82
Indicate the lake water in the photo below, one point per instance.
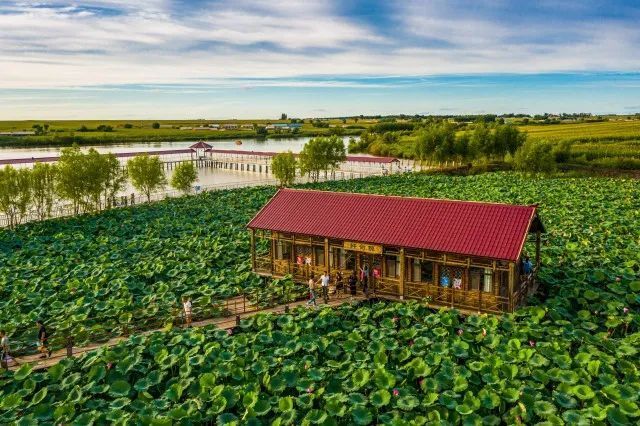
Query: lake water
276,145
206,176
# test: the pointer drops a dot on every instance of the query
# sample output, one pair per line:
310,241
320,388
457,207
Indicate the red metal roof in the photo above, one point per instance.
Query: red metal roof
354,158
489,230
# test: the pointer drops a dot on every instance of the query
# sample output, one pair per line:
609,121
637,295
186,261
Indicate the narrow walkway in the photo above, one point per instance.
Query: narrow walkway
224,323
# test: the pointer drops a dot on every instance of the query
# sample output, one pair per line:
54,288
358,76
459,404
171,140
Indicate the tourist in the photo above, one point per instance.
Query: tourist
4,349
43,340
186,307
312,294
527,266
353,281
364,279
324,280
339,282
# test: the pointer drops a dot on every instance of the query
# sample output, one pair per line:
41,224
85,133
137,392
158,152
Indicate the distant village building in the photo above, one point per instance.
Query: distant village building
214,126
25,133
247,126
229,126
186,128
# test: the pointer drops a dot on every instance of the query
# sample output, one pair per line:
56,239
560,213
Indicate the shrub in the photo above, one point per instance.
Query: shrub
535,157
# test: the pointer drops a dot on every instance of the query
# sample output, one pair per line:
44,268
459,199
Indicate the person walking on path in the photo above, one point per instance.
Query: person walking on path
186,307
324,280
312,294
4,350
43,340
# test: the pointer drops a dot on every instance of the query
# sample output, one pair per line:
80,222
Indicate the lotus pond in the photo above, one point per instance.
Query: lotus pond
570,358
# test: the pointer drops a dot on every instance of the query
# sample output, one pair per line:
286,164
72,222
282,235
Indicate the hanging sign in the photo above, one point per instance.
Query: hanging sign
363,247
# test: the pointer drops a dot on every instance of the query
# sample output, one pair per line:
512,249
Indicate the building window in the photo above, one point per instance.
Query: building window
318,252
283,250
338,258
421,271
481,278
392,266
426,272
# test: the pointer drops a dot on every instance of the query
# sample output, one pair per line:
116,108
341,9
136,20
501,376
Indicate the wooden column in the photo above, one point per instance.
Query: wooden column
512,277
273,253
537,250
402,269
327,264
253,249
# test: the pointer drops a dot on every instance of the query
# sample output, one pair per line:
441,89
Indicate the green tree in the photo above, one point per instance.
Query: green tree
73,180
184,177
261,131
507,139
283,116
155,125
43,188
147,174
436,141
321,154
112,179
284,167
481,140
535,157
15,193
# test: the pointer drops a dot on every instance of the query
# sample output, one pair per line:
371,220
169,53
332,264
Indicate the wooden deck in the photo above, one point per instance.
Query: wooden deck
224,323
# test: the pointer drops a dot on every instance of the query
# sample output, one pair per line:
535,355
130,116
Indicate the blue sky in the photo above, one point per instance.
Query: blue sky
248,58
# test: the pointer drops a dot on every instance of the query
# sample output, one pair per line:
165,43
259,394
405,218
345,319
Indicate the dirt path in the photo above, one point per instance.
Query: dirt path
221,322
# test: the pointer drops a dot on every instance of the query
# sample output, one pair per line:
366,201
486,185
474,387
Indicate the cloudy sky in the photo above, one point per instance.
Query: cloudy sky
253,58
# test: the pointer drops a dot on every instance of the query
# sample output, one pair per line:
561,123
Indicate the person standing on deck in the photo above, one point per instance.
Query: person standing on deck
353,281
43,340
364,278
312,294
324,280
186,307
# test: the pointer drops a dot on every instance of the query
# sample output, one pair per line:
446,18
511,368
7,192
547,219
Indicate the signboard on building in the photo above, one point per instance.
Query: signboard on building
363,247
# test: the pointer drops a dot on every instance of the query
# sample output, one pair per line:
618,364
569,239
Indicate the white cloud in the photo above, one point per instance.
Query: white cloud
157,42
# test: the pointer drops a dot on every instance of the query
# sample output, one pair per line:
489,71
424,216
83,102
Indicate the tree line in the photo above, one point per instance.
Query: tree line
87,181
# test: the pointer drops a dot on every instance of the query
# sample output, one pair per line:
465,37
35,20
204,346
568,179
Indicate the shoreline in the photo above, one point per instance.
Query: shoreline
69,140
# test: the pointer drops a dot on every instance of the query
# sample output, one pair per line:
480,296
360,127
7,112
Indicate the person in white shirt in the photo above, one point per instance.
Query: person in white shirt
186,306
324,280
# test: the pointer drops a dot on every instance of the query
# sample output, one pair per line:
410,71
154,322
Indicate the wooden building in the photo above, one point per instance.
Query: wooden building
467,255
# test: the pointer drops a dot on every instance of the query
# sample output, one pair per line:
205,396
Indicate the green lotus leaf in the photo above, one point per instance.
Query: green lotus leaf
407,403
316,416
544,409
583,392
227,419
384,379
23,372
357,398
361,416
285,404
119,388
616,417
380,398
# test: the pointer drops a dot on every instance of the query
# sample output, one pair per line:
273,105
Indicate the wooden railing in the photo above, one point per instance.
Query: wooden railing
385,287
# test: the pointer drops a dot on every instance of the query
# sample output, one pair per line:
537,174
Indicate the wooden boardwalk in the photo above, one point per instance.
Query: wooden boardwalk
236,310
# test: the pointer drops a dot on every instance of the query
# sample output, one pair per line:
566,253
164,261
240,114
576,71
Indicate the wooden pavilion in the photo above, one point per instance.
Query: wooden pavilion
462,254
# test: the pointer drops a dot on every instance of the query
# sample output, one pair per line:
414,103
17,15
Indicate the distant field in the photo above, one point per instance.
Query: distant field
68,132
607,130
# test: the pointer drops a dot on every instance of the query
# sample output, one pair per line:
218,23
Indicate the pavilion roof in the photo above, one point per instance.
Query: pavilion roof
488,230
